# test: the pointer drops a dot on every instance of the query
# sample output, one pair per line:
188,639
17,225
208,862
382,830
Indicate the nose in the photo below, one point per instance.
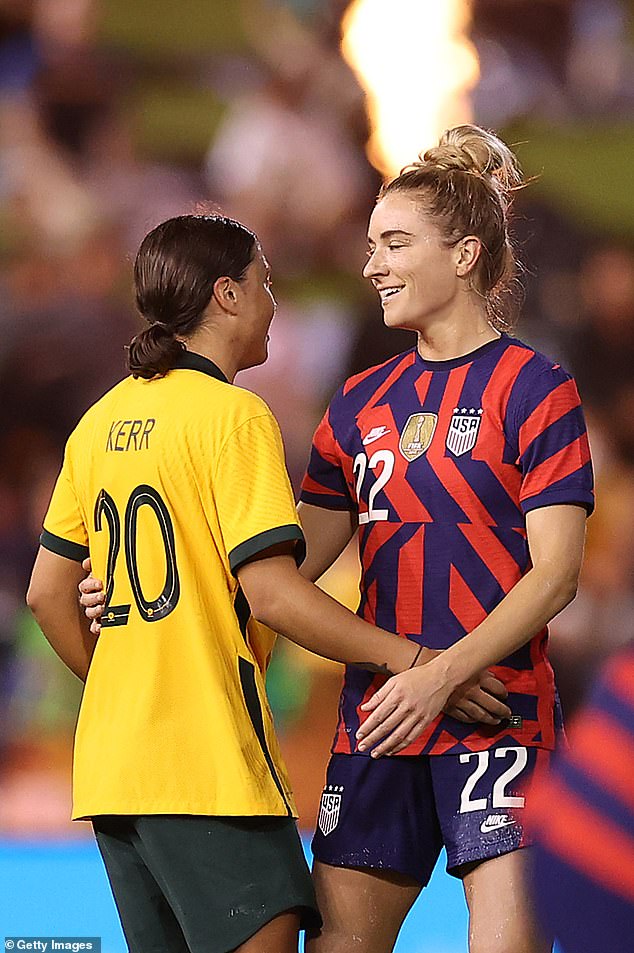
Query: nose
374,266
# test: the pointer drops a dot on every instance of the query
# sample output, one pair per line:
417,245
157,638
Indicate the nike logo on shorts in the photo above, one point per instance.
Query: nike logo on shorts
495,821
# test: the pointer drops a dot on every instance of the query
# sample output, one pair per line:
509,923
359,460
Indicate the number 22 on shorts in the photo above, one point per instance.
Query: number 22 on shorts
499,797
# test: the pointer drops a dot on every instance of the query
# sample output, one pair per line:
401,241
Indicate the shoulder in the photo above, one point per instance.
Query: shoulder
92,417
246,402
246,422
359,388
225,408
537,365
538,376
243,406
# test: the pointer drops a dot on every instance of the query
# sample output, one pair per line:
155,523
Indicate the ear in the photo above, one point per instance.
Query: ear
225,293
468,252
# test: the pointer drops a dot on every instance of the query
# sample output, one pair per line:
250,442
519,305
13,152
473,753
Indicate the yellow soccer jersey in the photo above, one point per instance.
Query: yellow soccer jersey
170,485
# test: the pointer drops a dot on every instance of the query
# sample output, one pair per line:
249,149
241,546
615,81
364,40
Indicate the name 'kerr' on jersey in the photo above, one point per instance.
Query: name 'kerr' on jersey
442,460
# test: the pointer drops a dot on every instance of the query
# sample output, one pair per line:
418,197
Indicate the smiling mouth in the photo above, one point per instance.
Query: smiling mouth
386,293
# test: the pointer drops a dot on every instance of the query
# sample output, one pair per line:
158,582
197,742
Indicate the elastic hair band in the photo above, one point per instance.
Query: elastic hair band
416,657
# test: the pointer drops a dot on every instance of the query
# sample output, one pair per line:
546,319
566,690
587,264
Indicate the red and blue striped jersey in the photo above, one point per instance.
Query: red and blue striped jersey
583,819
442,460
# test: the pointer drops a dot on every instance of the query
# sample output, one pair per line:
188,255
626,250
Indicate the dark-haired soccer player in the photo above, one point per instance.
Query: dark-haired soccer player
583,822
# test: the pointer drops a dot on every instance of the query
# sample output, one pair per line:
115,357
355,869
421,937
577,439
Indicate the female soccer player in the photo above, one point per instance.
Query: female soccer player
464,462
174,483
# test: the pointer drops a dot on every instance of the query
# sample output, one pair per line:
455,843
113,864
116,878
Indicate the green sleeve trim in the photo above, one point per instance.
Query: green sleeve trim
257,544
64,547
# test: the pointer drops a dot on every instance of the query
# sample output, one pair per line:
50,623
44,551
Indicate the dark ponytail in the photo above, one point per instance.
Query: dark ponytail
153,351
175,269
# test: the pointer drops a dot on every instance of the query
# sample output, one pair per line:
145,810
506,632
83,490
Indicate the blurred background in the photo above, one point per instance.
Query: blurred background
115,115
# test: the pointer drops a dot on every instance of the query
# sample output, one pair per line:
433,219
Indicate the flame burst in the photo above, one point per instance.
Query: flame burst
417,66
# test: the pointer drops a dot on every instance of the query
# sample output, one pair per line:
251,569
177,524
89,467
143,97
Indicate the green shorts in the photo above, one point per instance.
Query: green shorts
189,884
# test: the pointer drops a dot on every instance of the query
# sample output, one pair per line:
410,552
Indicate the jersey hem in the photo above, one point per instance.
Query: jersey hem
481,853
63,547
327,502
442,748
558,498
195,810
257,544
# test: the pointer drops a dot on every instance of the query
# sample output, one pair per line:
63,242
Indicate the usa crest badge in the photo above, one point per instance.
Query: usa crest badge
463,429
417,435
329,808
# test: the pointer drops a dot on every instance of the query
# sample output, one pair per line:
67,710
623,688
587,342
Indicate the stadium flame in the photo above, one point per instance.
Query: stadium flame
417,66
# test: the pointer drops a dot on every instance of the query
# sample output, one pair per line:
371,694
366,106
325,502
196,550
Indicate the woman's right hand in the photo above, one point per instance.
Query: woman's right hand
92,597
482,702
479,700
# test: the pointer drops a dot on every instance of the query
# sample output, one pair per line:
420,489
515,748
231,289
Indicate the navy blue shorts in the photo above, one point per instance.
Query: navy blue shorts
397,813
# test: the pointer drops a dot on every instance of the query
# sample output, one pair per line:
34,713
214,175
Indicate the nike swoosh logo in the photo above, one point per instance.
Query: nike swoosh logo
487,825
375,434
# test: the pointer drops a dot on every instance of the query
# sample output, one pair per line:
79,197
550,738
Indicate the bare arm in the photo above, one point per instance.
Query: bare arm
282,599
327,533
556,537
52,598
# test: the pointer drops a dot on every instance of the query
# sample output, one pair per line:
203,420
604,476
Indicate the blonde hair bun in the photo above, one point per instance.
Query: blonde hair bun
473,149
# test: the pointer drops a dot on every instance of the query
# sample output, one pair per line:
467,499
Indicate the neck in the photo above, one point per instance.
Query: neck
456,335
208,342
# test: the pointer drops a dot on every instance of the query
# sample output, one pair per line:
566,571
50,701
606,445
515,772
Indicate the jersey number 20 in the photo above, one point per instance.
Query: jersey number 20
150,610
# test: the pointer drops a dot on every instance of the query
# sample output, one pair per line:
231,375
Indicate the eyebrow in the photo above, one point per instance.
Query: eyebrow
394,231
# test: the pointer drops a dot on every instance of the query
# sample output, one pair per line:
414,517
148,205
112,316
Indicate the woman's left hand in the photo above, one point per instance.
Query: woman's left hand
403,708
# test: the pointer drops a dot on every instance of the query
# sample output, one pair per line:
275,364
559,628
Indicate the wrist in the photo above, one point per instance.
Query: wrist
426,655
456,666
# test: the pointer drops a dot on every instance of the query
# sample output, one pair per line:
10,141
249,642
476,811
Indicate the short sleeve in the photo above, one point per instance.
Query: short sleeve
552,444
325,482
64,530
253,494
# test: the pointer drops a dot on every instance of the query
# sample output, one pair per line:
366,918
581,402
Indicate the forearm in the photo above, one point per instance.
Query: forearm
66,629
294,607
524,611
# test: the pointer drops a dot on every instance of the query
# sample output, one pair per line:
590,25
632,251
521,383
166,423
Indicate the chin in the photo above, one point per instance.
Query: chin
255,360
397,323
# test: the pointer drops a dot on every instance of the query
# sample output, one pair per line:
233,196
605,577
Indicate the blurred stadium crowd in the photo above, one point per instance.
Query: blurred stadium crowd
116,115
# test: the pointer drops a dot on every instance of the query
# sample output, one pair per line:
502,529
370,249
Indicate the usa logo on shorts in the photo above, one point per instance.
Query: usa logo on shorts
329,808
463,429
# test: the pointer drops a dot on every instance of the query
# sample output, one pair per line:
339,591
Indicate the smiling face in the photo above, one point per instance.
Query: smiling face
415,273
257,310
